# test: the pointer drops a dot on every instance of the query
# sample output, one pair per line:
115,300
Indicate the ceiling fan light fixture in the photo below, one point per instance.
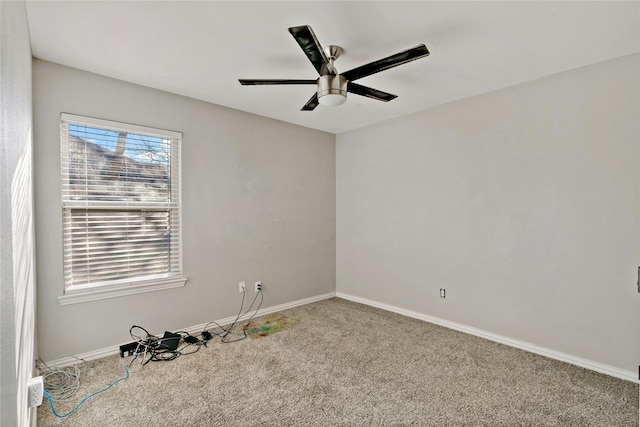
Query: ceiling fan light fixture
332,90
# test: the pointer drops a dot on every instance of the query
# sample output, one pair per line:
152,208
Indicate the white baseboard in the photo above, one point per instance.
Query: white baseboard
196,329
522,345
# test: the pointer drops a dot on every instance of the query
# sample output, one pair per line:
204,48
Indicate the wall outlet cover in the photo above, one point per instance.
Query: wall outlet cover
36,390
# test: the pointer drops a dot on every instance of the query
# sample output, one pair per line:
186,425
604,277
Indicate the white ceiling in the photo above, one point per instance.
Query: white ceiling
200,49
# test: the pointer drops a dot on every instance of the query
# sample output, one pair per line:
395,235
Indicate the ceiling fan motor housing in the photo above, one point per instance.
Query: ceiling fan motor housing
332,89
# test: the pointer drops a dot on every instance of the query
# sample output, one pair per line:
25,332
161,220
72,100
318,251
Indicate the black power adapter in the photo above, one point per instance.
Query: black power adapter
170,341
190,339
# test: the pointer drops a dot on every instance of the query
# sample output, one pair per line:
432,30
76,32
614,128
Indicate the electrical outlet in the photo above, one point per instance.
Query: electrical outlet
36,390
242,286
443,293
258,286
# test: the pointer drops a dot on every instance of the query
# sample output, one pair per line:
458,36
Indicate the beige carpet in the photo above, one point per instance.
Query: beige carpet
344,364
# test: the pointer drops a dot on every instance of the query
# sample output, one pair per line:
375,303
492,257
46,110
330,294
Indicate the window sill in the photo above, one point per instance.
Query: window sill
95,294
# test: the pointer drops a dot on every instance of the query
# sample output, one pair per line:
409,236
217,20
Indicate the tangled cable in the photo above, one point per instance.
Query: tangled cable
170,346
62,383
50,398
162,349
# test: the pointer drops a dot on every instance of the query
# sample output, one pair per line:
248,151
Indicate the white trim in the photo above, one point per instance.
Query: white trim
94,294
522,345
115,349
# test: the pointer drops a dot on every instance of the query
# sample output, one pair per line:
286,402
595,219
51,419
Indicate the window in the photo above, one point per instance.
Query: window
121,209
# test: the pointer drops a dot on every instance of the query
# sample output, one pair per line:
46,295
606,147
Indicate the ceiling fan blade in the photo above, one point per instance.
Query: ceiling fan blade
309,43
311,104
386,63
246,82
370,92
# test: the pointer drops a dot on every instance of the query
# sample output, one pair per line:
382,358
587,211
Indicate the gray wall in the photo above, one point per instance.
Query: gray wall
522,203
17,282
258,204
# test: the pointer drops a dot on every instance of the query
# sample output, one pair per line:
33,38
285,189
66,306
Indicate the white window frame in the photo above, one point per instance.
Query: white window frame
116,288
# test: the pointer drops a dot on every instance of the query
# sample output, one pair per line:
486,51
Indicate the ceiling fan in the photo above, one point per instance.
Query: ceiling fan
332,87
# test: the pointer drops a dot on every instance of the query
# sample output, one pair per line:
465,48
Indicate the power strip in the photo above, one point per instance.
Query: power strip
130,349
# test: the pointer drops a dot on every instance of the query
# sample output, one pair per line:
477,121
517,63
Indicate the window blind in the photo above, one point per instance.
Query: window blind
121,203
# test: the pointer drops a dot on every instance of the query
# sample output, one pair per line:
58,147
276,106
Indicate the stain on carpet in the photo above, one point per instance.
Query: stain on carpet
270,325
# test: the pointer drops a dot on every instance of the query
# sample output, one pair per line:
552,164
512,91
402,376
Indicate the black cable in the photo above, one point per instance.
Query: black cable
228,329
244,328
154,350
